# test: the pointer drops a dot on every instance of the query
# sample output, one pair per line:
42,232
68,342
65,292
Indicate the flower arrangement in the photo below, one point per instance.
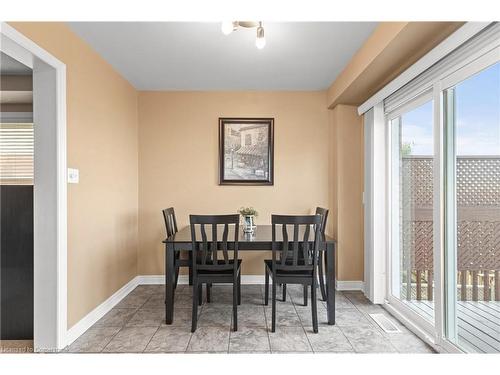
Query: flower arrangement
248,211
249,214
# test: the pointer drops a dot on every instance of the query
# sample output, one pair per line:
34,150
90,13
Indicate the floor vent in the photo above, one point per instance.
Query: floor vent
385,323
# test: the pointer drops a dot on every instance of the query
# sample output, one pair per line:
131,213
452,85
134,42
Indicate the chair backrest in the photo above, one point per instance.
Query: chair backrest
300,253
324,216
212,250
170,221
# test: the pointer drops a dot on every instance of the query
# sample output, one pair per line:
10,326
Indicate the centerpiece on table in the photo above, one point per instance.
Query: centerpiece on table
249,214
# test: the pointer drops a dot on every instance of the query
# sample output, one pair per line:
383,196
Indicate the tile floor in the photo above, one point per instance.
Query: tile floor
137,325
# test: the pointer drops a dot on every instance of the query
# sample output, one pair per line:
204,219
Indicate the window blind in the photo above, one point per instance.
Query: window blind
16,153
473,48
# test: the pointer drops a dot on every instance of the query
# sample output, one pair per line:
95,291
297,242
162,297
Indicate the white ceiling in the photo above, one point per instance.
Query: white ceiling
197,56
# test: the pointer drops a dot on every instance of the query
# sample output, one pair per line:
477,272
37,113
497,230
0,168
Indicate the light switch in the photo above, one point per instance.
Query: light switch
73,176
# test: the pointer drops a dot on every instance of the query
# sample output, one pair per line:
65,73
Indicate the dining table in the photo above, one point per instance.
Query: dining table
259,240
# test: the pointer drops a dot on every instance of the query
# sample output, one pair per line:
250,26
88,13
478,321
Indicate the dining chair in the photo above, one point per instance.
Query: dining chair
171,228
212,259
295,261
322,259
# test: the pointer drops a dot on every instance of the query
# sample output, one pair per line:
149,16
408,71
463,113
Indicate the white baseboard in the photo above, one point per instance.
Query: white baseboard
248,280
92,317
342,285
184,279
254,279
158,279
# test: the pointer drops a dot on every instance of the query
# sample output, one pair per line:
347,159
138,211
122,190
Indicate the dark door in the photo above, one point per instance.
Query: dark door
16,262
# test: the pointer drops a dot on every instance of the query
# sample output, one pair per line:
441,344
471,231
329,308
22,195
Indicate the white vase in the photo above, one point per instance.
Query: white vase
248,224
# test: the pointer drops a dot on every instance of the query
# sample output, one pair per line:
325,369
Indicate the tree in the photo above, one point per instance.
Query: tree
406,148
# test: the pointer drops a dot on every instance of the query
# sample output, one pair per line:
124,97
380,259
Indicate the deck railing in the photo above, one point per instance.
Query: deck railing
478,230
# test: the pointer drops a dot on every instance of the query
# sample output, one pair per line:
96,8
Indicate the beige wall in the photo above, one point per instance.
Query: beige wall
347,189
173,158
102,143
178,161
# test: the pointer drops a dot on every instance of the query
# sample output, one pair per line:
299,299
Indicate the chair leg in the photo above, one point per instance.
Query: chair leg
284,292
200,294
314,308
177,256
321,276
190,268
239,288
273,303
194,311
209,289
266,292
176,277
305,295
235,305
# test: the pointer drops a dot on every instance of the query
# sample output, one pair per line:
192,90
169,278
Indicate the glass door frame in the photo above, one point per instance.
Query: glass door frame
406,312
447,84
443,333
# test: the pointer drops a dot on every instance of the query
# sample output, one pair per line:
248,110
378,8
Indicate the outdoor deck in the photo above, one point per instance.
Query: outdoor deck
478,323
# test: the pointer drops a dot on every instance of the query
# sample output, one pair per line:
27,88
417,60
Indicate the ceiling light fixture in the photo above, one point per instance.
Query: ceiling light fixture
229,26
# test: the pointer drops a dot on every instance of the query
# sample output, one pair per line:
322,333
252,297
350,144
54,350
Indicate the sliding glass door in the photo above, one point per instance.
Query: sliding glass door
472,117
444,199
412,160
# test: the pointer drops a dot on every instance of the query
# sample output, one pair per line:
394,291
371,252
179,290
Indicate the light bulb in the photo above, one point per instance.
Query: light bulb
227,27
260,42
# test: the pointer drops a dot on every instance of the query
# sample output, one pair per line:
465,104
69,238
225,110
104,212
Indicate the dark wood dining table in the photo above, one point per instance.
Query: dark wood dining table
260,240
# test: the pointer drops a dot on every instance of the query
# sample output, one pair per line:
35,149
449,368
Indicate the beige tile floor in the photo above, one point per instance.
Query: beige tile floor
137,325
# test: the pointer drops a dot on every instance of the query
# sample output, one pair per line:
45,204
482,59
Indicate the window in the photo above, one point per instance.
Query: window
16,153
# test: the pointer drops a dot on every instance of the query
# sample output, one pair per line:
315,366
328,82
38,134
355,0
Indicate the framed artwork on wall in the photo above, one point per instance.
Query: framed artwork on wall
246,151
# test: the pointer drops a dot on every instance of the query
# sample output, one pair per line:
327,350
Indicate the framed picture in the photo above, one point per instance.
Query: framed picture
246,151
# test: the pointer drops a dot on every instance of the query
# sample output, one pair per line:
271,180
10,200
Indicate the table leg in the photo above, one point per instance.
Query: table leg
191,268
330,280
169,282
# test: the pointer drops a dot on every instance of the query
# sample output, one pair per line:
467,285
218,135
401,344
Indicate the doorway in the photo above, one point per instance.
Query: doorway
16,204
49,188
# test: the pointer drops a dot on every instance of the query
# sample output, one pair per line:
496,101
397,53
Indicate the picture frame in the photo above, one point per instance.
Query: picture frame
246,151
